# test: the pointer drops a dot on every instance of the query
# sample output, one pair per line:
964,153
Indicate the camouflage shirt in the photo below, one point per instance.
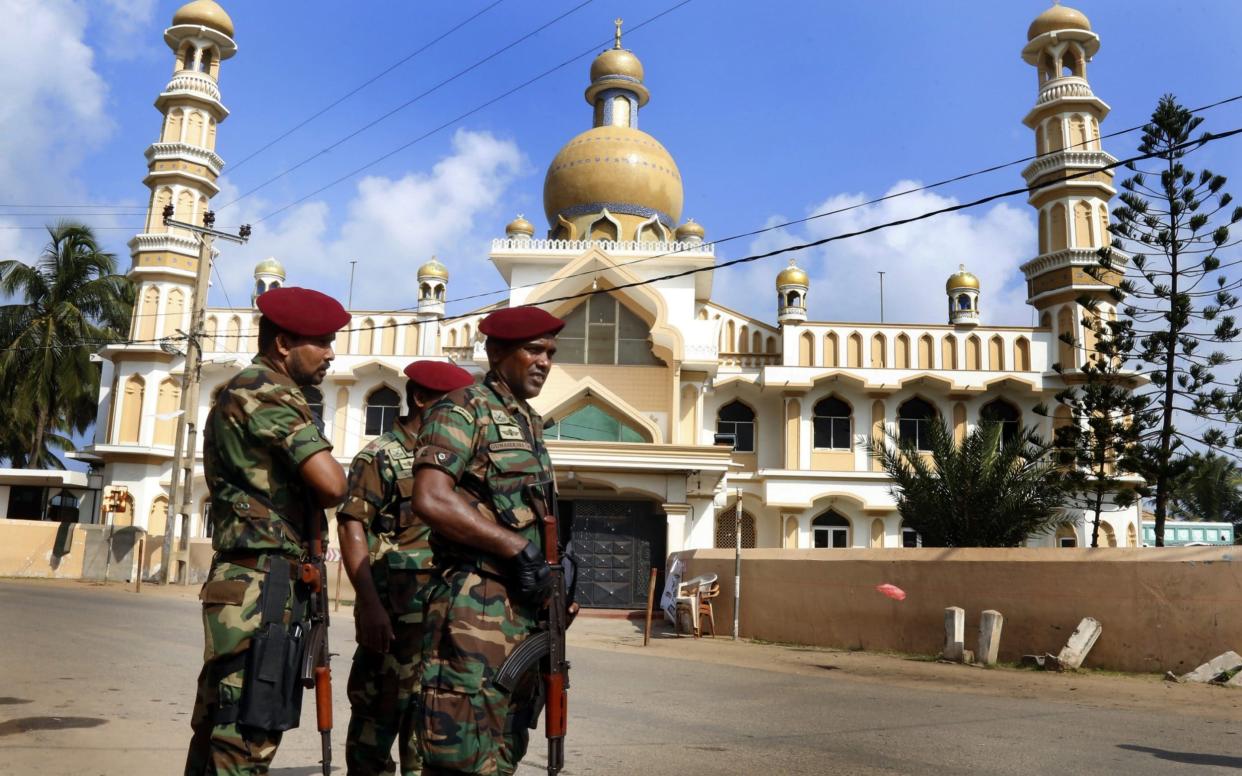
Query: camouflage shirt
491,443
381,481
257,435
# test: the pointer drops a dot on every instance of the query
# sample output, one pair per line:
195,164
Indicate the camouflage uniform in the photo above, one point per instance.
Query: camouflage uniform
383,688
491,444
257,434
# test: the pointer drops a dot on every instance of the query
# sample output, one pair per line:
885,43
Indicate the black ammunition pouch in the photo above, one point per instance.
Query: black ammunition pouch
272,691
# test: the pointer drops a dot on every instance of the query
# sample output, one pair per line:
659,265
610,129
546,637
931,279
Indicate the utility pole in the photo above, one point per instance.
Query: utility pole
350,303
181,490
881,296
737,565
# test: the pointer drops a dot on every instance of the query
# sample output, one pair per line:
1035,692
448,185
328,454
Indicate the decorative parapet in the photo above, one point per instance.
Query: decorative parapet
1071,257
1069,86
164,242
750,360
614,247
185,152
191,82
1064,160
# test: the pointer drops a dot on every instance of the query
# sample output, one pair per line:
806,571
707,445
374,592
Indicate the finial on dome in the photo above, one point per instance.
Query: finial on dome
618,21
433,269
520,227
793,275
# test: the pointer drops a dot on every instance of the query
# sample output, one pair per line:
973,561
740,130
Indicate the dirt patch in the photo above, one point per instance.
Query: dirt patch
28,724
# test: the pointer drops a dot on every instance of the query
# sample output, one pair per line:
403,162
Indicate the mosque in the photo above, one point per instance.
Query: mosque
669,409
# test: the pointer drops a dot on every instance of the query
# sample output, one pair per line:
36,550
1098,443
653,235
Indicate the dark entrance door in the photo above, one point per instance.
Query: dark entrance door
616,543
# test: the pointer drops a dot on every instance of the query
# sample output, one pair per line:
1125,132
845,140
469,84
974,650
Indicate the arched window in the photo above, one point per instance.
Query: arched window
853,350
314,398
726,530
974,353
383,406
914,420
927,349
806,349
902,347
131,410
830,349
739,420
830,531
204,62
996,353
593,424
793,299
879,351
1022,354
832,424
1008,416
167,400
963,301
603,331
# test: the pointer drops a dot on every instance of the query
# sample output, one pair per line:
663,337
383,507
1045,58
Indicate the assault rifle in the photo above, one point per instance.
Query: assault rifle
316,666
546,647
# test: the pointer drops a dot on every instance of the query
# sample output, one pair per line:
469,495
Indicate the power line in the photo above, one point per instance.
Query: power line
236,165
406,104
453,121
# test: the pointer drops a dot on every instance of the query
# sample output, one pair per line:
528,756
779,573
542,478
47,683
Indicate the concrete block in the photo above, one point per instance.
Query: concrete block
1080,643
1213,668
1236,681
990,624
954,632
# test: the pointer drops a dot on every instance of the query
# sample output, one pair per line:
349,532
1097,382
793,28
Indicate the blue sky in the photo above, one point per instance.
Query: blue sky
772,111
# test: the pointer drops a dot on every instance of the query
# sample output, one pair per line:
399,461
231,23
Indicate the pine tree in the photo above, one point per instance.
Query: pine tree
1171,222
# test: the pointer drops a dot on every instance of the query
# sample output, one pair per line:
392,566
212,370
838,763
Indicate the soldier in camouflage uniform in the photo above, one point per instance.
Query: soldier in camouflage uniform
377,524
479,449
269,470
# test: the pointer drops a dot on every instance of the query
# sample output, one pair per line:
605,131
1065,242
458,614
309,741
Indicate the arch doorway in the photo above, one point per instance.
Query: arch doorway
616,543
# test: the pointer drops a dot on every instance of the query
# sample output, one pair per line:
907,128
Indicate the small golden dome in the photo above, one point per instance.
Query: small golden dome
793,275
269,266
617,62
520,225
206,13
691,228
433,269
961,279
607,166
1058,17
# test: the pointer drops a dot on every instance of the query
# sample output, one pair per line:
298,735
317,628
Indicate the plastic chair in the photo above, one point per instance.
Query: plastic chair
707,616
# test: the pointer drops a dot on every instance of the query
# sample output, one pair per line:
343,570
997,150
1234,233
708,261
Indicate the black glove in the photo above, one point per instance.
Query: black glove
531,575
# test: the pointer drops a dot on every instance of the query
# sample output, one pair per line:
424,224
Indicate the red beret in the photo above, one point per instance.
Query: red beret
302,311
521,323
438,375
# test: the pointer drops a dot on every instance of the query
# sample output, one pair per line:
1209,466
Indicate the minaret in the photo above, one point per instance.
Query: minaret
962,287
268,274
432,288
1073,215
182,168
792,285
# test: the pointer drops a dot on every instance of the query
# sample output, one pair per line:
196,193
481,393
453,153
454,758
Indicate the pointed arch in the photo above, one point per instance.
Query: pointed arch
996,353
174,311
161,200
1022,355
771,346
877,533
411,338
590,391
756,345
130,425
1106,237
726,529
927,352
194,126
727,344
210,325
901,358
232,335
1056,135
211,133
743,339
1084,226
1043,230
791,533
1059,232
948,352
172,127
148,314
879,351
340,343
388,338
652,230
806,349
831,530
1078,133
168,400
157,519
974,353
606,228
853,348
1065,327
831,344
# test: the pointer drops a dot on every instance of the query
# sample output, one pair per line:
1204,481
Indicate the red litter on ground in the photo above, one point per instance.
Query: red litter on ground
892,591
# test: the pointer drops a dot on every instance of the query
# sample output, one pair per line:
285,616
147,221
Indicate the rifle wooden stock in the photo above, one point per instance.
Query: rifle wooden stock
554,667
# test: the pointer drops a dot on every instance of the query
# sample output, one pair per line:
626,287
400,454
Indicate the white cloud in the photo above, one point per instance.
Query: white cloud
390,226
917,259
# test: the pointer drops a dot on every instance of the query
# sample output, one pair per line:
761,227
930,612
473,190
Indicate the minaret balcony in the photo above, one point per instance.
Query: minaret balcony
173,243
1071,257
1067,161
185,152
1067,86
188,83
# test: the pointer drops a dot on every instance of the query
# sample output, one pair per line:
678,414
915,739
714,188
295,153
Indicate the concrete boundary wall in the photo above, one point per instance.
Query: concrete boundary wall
1161,609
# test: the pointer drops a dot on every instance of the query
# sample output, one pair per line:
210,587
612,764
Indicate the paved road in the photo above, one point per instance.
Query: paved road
100,681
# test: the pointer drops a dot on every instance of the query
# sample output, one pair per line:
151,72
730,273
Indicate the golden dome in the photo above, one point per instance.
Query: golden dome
433,269
961,279
520,225
793,275
691,228
269,266
613,167
205,13
617,62
1058,17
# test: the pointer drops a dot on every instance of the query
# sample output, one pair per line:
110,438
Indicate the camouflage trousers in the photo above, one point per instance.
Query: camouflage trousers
384,688
467,725
231,616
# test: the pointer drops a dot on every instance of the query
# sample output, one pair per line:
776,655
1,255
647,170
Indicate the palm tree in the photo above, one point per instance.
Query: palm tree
63,307
981,493
1210,489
